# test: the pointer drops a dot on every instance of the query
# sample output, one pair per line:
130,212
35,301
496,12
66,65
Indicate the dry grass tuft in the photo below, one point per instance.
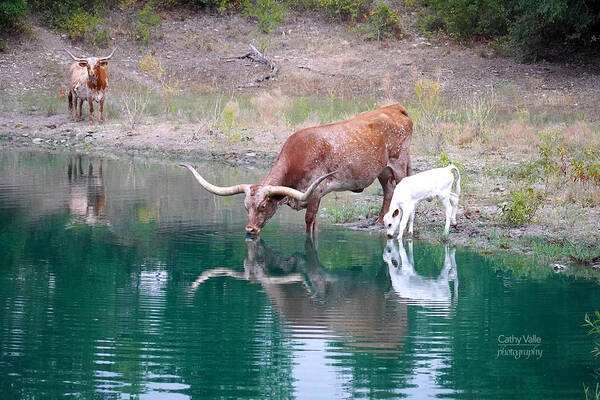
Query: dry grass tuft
465,138
515,135
579,133
270,107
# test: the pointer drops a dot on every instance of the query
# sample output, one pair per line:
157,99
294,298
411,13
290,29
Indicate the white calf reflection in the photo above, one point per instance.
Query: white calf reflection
408,284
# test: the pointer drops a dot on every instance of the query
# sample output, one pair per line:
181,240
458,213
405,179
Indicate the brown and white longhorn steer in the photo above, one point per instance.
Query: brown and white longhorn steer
346,155
89,81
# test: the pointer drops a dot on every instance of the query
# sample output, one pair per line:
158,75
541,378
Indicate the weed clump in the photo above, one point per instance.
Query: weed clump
269,14
521,205
383,23
348,212
82,25
340,9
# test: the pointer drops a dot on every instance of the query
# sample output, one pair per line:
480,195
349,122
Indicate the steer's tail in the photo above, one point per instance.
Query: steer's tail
453,167
70,97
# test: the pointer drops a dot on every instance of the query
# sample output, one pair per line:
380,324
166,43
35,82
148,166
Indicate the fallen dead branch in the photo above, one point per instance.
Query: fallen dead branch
259,57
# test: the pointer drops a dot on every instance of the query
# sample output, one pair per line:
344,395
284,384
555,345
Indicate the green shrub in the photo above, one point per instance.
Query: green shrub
346,9
429,23
268,13
147,20
467,18
530,28
219,5
543,28
502,46
12,12
57,13
342,9
383,22
101,38
521,206
81,25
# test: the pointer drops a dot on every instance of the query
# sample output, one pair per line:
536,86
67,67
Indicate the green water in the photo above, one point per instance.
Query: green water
138,284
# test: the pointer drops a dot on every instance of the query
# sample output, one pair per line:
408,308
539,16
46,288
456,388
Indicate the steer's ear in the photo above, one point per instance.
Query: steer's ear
83,64
103,63
396,212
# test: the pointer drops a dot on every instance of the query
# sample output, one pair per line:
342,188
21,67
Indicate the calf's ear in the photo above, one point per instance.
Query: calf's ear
396,212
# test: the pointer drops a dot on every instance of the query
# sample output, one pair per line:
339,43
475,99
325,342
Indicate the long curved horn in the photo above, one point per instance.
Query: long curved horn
218,190
296,194
75,58
108,57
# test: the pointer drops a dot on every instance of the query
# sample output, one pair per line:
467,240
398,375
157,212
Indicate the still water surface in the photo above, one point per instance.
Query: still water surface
135,283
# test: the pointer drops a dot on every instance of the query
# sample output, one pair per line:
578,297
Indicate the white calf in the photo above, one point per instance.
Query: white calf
425,185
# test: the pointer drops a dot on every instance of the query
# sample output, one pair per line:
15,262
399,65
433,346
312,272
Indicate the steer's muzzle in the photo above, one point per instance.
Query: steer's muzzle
252,230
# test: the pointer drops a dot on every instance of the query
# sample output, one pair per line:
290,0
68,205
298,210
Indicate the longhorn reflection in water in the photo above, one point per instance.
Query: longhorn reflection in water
86,192
317,303
408,284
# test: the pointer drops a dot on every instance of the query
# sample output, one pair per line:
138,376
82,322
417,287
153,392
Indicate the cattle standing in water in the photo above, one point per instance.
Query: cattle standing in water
346,155
424,185
89,81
